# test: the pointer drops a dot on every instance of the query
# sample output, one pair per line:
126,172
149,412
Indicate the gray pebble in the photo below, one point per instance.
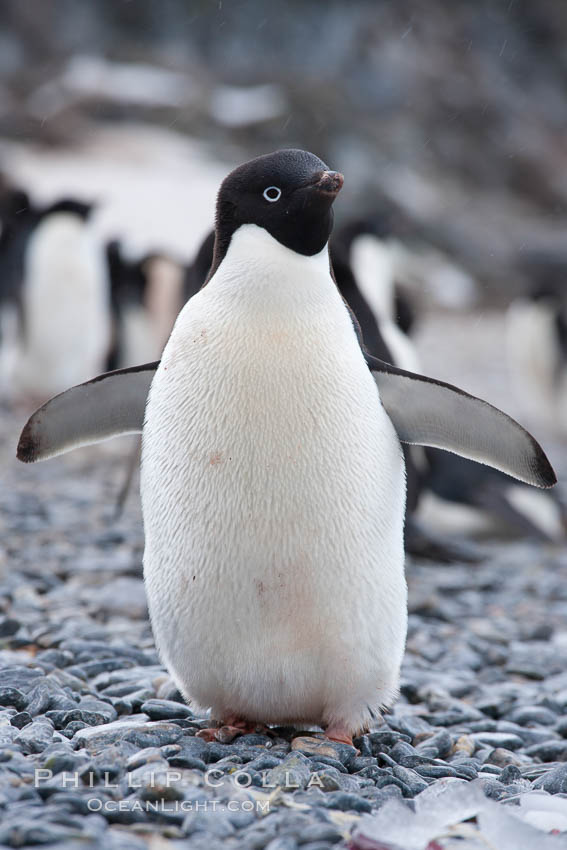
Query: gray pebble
73,727
21,719
510,774
529,714
293,772
190,748
36,736
213,823
8,627
162,709
346,802
259,837
441,741
548,751
553,781
320,832
360,763
498,739
13,697
263,762
412,781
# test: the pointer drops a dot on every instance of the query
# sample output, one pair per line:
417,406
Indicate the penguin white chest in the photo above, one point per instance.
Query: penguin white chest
273,497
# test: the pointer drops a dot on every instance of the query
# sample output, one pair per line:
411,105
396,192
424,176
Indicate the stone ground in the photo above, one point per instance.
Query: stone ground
85,701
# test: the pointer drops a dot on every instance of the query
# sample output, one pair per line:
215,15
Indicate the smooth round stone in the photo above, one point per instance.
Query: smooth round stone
292,773
331,762
346,802
73,727
498,739
465,745
323,747
63,760
13,697
360,762
532,714
263,762
36,736
548,751
554,781
321,832
328,778
510,774
218,825
164,709
41,697
21,719
502,758
441,741
412,780
494,790
188,750
435,771
8,627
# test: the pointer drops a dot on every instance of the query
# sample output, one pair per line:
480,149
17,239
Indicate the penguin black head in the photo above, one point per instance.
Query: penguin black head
289,193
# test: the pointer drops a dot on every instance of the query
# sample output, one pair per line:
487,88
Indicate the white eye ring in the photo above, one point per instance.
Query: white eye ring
272,194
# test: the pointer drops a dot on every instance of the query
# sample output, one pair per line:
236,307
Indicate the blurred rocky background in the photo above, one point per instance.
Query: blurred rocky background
455,113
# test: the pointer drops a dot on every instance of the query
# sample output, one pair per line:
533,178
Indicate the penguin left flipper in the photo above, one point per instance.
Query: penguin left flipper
428,412
111,404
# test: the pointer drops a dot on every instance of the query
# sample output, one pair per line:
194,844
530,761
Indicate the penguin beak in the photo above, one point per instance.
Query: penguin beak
329,182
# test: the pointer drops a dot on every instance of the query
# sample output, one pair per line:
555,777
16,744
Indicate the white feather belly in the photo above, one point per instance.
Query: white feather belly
273,497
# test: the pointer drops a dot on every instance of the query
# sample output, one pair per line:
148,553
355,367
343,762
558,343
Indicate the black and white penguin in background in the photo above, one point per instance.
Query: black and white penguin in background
147,295
446,494
365,247
536,341
64,328
273,484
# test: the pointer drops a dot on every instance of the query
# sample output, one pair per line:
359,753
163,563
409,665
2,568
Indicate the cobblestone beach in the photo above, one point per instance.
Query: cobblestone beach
97,748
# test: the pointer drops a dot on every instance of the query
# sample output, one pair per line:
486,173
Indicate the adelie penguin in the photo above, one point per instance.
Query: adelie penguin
273,482
64,303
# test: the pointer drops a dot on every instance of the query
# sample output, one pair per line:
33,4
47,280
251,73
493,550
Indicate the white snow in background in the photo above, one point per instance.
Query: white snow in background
238,106
97,78
155,189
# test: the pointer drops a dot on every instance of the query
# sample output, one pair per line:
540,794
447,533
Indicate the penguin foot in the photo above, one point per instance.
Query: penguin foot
209,734
230,729
339,734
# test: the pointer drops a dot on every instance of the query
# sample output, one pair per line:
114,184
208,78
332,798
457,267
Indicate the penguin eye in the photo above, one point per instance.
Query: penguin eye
272,194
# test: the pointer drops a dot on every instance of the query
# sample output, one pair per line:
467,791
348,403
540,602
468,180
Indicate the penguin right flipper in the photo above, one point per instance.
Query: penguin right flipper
111,404
428,412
